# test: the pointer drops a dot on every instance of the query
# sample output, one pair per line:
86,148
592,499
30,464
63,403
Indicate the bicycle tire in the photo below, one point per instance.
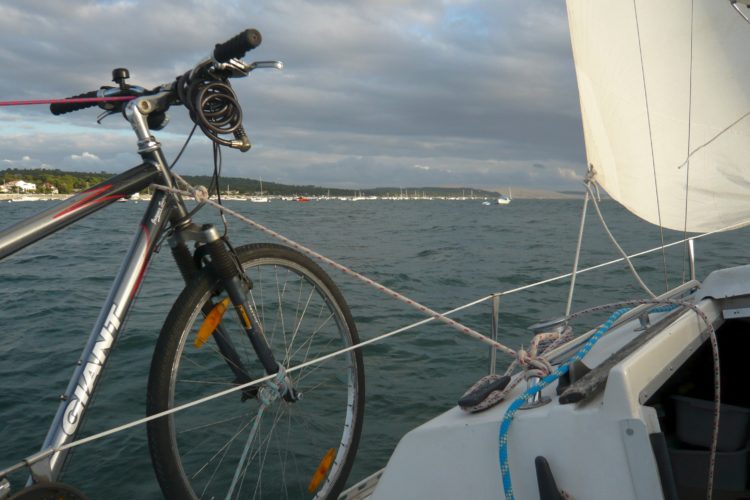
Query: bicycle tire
193,450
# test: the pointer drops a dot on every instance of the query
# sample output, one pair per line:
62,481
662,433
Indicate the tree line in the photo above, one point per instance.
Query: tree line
70,182
65,182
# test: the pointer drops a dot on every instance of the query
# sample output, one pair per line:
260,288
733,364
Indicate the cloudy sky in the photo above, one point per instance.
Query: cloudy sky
374,92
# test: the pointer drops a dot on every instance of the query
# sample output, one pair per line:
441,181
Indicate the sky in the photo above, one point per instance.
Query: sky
397,93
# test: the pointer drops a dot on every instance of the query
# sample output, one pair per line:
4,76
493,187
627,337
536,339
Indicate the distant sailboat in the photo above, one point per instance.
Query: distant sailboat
259,197
505,200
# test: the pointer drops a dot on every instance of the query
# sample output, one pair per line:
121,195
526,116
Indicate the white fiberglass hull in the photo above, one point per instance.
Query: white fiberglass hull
600,448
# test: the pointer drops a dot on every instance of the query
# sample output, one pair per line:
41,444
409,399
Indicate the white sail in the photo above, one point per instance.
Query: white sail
648,106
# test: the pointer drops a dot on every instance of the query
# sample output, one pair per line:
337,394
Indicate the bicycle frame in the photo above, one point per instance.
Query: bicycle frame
163,209
166,209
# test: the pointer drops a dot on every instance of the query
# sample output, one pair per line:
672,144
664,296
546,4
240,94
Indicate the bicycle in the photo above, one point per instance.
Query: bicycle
247,311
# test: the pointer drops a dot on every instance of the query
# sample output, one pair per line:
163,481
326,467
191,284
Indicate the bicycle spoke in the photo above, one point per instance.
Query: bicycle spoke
203,426
224,447
220,455
243,457
280,303
264,444
204,382
307,344
300,318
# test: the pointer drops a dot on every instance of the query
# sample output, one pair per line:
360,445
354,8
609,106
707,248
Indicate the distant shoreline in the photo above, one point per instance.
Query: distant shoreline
31,196
531,195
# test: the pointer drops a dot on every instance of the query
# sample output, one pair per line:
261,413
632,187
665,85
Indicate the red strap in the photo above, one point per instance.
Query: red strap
70,100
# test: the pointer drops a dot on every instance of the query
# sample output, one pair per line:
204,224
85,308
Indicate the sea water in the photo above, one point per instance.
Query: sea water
440,253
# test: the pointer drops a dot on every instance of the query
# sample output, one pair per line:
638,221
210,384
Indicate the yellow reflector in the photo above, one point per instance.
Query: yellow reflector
211,322
243,315
322,471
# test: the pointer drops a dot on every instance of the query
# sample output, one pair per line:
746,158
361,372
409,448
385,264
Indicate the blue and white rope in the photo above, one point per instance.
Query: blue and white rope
545,381
518,402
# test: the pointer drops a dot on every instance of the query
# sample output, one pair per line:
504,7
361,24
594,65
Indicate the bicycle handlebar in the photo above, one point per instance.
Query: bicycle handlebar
204,90
237,46
67,107
234,48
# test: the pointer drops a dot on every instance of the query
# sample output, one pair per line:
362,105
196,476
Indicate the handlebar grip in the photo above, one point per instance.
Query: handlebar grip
67,107
237,46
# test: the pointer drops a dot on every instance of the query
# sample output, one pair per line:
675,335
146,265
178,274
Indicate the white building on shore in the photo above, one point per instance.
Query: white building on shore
18,187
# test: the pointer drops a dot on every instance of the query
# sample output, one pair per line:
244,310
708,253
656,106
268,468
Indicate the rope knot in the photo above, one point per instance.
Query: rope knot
200,193
590,174
533,365
523,357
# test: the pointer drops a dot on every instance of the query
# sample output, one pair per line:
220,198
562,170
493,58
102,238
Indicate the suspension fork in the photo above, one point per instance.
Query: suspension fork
227,270
189,269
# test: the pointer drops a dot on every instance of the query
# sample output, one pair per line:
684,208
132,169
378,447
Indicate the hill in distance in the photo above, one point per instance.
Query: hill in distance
67,182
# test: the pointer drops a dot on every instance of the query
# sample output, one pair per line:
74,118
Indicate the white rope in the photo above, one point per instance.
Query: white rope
380,287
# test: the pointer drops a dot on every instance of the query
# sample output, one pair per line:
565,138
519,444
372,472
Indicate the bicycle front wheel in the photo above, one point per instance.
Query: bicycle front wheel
230,447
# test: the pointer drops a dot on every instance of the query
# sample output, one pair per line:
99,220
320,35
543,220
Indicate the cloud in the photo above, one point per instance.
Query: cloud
25,162
453,85
85,156
569,173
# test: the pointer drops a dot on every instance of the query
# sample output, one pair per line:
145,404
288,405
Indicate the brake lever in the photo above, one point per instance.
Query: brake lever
746,3
103,115
266,64
237,68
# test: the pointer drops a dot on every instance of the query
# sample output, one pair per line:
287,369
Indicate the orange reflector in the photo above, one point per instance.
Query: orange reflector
211,322
322,471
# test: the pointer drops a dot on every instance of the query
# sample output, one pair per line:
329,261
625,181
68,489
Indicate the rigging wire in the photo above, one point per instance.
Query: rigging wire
617,245
651,141
689,129
569,304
